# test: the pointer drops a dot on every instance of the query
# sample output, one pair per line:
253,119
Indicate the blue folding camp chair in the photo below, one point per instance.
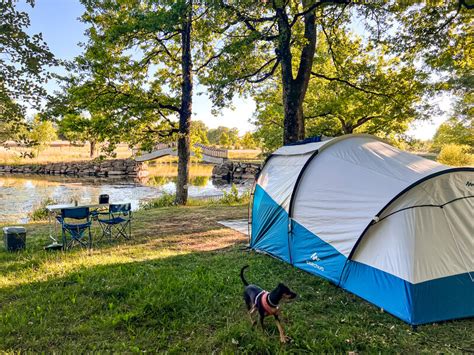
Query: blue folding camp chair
119,222
75,233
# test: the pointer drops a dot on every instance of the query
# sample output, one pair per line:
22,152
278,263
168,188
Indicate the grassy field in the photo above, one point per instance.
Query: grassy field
54,154
176,288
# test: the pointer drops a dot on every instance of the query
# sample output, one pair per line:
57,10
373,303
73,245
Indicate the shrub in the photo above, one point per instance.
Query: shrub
165,200
232,197
455,155
40,213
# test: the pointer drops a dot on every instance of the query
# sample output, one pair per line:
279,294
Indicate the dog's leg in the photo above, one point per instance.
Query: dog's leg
251,312
262,317
283,337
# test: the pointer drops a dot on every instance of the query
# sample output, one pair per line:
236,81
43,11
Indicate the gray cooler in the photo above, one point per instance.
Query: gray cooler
15,238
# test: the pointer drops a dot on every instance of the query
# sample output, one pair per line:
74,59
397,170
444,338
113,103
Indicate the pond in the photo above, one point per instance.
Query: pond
21,194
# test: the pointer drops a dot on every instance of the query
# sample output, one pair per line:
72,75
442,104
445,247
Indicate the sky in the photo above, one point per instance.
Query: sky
58,21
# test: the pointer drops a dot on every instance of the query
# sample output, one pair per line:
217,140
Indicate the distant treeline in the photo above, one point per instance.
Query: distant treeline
221,136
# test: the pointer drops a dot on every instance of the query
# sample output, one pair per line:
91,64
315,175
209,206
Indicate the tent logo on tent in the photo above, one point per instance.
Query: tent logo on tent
314,258
469,184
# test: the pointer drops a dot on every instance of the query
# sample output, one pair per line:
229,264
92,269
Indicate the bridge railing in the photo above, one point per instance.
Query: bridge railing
209,151
159,146
213,152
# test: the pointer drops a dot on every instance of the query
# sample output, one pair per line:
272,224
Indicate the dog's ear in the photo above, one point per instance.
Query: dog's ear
283,287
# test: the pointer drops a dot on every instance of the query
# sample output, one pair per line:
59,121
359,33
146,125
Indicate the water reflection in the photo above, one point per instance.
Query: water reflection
198,181
20,194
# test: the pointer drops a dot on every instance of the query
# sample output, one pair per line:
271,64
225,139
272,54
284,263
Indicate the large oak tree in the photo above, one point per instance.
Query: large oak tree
270,38
138,68
353,88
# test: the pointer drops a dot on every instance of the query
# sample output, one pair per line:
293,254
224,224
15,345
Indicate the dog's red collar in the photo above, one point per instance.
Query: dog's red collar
269,310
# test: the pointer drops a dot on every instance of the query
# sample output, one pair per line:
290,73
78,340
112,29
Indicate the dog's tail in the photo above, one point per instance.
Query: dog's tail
242,275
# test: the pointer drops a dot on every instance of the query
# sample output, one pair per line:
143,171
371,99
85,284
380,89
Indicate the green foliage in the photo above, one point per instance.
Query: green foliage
165,200
139,94
126,98
40,213
224,140
355,88
159,180
416,145
200,181
22,67
16,131
248,141
42,133
455,131
456,155
137,72
232,197
441,36
377,84
223,136
80,128
198,133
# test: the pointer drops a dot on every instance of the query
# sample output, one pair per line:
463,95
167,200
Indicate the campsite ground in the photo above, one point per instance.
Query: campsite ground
176,287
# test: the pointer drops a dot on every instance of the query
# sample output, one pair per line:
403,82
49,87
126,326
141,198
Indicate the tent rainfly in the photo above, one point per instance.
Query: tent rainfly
389,226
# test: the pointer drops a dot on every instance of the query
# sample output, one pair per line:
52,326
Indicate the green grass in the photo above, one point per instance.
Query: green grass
176,288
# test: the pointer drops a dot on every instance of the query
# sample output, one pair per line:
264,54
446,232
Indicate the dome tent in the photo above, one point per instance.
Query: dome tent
389,226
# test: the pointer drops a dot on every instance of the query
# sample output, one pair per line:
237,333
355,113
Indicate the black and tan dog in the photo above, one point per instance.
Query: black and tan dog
265,303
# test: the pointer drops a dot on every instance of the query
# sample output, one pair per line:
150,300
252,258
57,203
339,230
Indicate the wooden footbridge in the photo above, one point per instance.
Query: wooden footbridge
208,154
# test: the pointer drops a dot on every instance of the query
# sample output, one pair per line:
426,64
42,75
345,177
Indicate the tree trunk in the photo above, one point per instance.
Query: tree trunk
293,123
185,110
92,148
347,129
294,89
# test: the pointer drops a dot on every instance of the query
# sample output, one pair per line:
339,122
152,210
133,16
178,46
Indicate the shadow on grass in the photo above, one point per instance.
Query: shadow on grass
175,303
172,227
193,303
176,288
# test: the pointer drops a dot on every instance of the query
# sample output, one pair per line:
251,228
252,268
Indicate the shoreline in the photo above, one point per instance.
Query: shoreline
99,168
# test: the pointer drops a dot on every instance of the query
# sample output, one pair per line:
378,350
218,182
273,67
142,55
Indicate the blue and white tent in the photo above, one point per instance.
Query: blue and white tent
389,226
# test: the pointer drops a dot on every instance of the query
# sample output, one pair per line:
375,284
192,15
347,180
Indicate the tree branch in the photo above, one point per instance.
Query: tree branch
331,50
362,120
116,92
162,44
206,63
449,20
343,123
315,5
276,123
163,133
307,52
267,75
348,83
467,6
249,21
171,123
168,107
319,115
